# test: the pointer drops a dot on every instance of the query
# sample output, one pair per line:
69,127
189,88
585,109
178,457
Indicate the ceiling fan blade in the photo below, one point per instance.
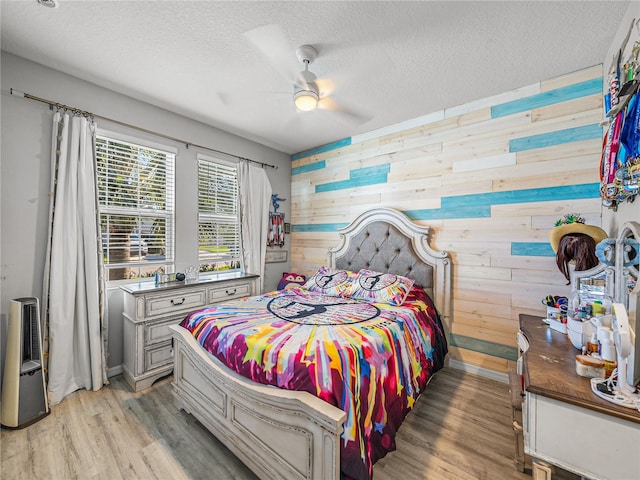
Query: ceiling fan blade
273,43
326,87
352,116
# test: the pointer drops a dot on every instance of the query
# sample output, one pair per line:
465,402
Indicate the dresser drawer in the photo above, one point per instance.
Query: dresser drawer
176,302
159,332
158,356
238,290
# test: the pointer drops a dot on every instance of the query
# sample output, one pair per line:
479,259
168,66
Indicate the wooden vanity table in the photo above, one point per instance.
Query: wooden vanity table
565,423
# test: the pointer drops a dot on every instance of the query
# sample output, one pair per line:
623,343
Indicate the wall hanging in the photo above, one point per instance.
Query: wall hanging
620,161
275,237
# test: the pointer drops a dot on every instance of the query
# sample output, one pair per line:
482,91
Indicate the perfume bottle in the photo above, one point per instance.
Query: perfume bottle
592,345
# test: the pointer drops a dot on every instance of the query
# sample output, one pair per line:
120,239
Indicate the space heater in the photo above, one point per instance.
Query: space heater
24,398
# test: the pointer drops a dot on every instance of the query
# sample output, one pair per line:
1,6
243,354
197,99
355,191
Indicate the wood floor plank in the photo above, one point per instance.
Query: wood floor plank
460,429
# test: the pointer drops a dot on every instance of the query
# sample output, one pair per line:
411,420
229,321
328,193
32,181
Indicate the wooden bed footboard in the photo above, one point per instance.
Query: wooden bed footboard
279,434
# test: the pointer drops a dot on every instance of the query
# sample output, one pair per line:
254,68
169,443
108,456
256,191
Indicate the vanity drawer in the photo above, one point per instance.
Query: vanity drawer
238,290
158,356
176,302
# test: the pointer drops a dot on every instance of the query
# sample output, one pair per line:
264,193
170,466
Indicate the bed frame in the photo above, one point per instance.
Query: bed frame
282,434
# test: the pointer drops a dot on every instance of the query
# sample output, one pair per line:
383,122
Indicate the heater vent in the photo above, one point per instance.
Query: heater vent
30,338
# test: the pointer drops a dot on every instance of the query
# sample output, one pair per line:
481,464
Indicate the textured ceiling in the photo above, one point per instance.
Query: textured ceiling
231,64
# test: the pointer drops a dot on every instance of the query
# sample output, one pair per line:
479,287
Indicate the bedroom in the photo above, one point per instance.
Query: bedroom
496,279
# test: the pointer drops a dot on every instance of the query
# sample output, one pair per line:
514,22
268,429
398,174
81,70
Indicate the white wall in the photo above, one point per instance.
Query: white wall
25,171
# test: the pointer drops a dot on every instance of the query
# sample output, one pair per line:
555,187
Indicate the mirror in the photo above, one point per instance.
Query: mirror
593,286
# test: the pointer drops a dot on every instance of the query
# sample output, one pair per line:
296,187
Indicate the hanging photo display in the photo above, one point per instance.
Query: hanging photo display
275,238
620,161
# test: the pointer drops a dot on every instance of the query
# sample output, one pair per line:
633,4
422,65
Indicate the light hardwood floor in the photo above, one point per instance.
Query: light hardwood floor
459,429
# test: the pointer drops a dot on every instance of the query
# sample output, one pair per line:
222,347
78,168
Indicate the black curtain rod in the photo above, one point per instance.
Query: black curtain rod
78,111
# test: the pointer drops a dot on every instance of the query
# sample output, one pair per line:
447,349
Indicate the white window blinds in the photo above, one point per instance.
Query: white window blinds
218,215
136,188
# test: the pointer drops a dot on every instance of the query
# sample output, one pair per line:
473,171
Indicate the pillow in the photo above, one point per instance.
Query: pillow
330,281
290,280
379,287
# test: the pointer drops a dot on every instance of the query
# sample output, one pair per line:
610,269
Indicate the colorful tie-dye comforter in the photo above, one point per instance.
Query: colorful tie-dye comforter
371,360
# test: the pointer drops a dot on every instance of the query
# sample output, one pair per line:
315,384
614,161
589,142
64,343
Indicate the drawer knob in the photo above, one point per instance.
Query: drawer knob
179,302
231,292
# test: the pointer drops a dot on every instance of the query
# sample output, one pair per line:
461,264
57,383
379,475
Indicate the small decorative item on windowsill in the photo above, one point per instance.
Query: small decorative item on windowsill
191,275
161,278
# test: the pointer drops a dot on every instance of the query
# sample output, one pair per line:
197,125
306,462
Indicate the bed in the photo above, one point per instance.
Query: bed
286,434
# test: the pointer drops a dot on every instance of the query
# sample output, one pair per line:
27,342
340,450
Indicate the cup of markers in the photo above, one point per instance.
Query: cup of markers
557,307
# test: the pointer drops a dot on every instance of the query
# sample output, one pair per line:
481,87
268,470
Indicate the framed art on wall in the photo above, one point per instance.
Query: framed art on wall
276,256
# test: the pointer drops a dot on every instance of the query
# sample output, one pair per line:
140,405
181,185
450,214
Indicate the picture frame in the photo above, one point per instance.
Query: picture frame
276,256
287,228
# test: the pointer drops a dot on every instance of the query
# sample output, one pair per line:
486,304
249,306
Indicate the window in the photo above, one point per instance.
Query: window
218,215
136,202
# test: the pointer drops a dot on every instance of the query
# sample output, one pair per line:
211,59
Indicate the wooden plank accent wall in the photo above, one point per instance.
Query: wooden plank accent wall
490,178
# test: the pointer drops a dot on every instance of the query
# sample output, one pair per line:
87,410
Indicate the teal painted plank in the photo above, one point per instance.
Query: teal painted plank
324,148
563,94
546,194
308,168
352,183
358,178
375,170
479,205
469,211
317,227
576,134
531,249
483,346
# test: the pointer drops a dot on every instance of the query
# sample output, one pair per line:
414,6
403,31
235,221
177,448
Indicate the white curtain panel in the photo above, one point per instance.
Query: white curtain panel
255,195
73,278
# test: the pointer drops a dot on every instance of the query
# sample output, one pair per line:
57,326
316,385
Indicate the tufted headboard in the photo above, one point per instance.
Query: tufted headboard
385,240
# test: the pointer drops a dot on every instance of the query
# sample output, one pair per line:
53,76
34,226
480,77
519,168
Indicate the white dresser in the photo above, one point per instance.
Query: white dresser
149,310
565,423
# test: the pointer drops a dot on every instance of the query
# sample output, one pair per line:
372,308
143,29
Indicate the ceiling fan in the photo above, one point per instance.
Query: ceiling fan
305,90
309,92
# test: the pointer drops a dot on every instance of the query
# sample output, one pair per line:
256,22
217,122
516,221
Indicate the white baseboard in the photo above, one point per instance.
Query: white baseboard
483,372
113,371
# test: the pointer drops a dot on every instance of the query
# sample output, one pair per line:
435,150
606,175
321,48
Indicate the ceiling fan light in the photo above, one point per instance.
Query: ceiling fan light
305,100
